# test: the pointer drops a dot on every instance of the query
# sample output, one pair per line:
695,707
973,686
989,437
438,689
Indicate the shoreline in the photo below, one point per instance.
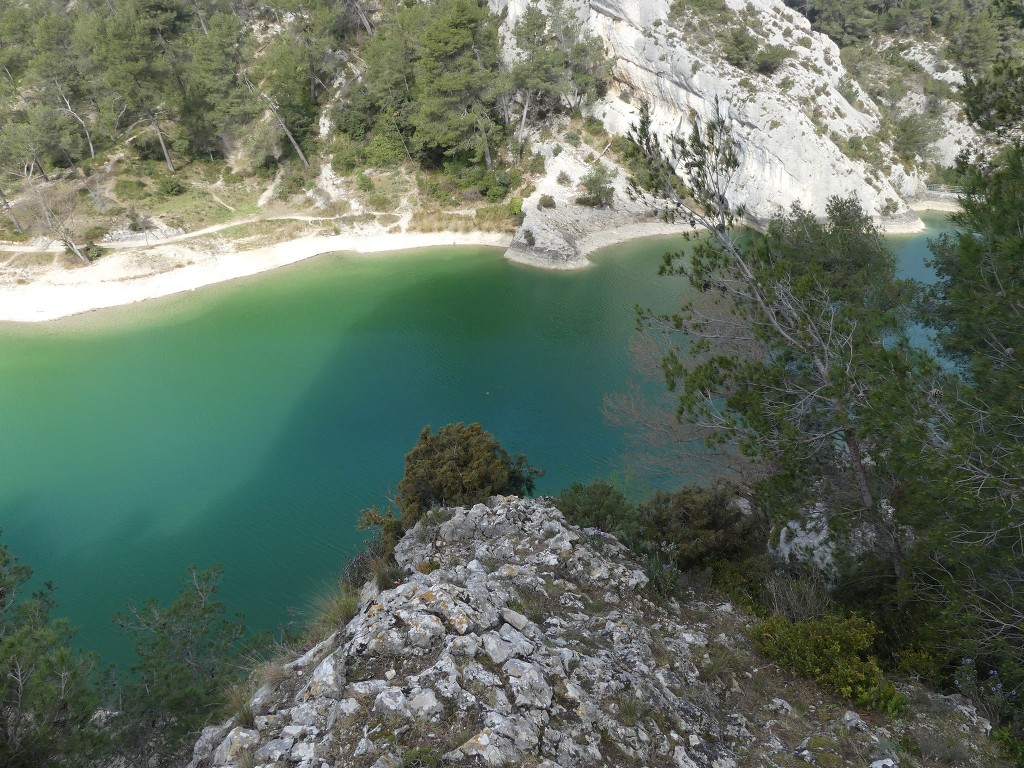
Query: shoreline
127,275
183,263
598,241
130,275
943,206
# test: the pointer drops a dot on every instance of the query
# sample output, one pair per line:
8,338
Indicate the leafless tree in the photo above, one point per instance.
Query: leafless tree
53,208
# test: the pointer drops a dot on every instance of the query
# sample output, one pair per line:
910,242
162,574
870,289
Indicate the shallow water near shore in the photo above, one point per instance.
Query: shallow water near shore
246,424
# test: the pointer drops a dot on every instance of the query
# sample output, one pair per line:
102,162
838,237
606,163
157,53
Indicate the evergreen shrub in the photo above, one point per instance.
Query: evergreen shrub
832,651
170,186
459,465
698,527
601,505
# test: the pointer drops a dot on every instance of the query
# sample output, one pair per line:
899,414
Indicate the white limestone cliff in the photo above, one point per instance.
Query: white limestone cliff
787,124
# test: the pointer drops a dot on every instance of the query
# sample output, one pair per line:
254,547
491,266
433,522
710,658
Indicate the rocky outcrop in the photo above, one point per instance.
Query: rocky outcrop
562,233
516,639
792,125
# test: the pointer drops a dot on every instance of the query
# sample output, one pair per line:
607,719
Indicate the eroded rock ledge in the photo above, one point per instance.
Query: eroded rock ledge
517,639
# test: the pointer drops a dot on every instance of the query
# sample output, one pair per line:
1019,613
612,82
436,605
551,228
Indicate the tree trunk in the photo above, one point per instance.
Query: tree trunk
10,212
202,21
522,122
277,116
857,462
488,160
295,144
36,164
67,108
163,145
362,16
88,138
70,245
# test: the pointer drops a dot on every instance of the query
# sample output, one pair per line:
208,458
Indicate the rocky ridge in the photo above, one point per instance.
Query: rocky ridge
517,639
790,124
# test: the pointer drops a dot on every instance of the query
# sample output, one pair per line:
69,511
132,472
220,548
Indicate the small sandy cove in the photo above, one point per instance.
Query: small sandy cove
136,271
130,274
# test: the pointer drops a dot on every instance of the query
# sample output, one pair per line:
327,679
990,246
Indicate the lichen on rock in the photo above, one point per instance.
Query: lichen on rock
531,642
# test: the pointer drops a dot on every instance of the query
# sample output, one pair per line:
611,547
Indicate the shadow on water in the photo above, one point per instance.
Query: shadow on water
465,356
248,427
248,424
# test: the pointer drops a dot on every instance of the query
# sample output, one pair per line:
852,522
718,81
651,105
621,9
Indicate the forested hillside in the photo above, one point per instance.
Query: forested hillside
128,115
872,526
113,110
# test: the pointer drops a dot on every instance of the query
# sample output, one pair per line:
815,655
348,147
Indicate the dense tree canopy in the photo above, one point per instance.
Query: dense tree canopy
795,353
90,76
189,652
46,701
973,567
457,465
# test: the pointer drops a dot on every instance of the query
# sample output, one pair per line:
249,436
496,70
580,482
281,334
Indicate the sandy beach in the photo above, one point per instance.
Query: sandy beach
128,275
136,271
132,272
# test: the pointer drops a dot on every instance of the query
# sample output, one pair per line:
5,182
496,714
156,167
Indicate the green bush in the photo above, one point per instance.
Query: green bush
697,527
386,149
93,251
347,156
439,187
95,232
593,127
597,185
770,59
911,134
169,186
600,504
546,201
459,465
832,651
740,48
495,185
130,189
354,116
363,182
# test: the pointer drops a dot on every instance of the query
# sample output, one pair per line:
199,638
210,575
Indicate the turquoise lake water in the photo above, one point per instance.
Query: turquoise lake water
247,423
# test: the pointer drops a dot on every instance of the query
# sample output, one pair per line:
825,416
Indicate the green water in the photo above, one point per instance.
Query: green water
247,423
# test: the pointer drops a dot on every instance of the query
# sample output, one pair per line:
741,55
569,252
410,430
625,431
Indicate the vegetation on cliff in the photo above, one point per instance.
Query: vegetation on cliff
796,358
799,359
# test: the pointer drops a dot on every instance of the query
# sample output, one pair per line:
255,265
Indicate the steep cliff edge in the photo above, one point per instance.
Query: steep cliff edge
792,117
517,639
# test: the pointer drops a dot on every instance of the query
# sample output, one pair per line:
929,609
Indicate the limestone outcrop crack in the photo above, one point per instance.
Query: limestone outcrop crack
517,639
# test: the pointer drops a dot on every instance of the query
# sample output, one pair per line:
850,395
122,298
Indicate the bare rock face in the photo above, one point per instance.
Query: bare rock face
515,640
791,125
519,640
